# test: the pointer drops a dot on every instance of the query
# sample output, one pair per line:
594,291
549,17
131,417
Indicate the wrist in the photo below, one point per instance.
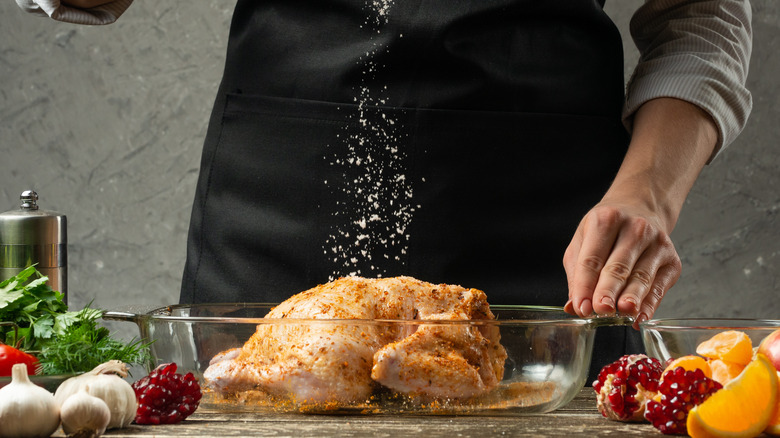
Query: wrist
671,143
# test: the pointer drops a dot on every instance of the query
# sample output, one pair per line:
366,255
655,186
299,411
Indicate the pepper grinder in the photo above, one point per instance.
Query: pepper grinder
30,236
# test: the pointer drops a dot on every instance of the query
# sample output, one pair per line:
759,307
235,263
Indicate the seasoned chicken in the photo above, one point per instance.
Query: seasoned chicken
342,361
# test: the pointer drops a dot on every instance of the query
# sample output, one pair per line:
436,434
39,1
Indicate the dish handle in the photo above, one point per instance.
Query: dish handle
129,313
611,319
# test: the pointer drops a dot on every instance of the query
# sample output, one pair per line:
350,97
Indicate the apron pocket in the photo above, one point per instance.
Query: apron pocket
260,214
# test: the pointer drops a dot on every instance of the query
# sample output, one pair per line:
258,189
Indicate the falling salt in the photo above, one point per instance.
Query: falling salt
375,194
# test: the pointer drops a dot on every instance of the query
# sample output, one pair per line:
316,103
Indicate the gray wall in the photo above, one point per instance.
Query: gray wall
106,123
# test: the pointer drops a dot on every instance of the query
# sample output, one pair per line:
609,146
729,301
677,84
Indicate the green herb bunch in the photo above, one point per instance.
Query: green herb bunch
63,341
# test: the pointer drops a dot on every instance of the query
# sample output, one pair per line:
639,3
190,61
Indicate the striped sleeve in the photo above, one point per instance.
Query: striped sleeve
104,14
697,51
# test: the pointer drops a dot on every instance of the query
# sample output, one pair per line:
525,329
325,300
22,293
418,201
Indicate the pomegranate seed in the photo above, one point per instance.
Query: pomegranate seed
165,397
680,391
624,386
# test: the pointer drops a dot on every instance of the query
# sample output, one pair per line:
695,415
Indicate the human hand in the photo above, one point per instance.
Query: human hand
84,4
620,259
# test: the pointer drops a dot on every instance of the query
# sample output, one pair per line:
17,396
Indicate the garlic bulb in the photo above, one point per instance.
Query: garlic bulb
106,383
27,410
84,415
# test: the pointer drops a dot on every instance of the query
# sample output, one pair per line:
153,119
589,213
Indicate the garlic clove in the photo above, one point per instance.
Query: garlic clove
106,383
27,410
84,415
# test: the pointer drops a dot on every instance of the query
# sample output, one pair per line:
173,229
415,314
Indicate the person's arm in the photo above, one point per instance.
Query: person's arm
697,51
685,102
93,12
621,256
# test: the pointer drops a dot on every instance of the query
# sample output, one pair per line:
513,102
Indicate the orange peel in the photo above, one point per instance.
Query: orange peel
743,408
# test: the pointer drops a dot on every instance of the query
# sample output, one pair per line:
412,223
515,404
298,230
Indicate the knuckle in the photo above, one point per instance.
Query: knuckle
664,242
644,278
657,293
676,263
618,271
592,263
641,229
607,217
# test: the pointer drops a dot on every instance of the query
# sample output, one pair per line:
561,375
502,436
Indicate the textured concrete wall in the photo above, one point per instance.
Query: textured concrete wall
107,124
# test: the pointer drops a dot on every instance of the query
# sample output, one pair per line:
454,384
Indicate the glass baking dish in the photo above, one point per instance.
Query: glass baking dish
548,354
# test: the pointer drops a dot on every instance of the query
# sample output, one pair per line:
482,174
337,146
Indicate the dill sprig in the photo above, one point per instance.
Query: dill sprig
85,345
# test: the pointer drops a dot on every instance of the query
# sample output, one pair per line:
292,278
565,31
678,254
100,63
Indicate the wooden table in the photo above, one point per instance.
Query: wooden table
578,418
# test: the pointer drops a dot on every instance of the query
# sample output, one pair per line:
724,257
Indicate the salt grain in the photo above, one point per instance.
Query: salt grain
376,198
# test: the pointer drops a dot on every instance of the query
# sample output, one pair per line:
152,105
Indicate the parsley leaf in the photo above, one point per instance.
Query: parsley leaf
64,341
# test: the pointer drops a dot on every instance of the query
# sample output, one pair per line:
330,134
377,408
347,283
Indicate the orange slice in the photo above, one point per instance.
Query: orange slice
690,363
742,408
774,423
724,372
731,346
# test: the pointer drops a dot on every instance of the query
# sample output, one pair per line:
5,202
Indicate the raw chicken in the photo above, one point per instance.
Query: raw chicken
343,361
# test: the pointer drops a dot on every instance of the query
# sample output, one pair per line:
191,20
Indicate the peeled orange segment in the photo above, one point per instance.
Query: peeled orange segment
690,363
774,422
724,372
730,346
743,408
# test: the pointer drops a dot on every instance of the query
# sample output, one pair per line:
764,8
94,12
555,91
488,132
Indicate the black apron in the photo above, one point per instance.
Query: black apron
456,141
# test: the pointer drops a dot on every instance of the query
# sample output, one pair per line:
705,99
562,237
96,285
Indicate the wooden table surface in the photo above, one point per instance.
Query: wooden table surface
578,418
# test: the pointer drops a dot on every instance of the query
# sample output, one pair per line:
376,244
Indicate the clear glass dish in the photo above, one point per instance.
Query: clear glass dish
548,356
670,338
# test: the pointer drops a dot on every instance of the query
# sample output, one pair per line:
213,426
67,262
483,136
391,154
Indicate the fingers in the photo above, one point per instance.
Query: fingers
629,273
619,262
666,277
658,267
569,264
586,256
631,243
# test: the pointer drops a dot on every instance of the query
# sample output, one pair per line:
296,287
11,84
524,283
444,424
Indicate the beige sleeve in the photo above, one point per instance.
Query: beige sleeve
104,14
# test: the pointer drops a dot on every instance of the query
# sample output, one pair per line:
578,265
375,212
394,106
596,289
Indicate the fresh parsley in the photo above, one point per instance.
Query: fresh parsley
85,345
64,341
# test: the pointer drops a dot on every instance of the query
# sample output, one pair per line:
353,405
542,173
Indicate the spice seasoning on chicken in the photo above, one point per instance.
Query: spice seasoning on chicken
447,361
